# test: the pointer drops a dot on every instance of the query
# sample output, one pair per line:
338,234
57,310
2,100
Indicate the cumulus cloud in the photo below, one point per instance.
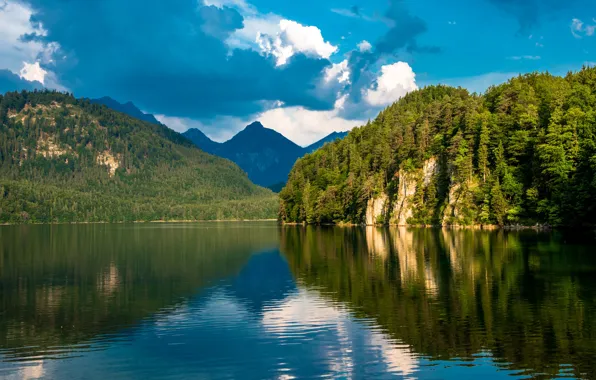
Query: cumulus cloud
301,125
190,68
339,72
364,46
181,65
295,38
19,42
241,5
304,126
394,82
33,72
579,29
402,35
254,24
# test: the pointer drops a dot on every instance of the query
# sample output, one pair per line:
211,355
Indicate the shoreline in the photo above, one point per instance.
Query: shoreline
143,221
485,227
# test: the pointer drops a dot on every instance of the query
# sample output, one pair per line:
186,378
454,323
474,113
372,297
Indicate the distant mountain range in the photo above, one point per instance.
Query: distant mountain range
128,108
264,154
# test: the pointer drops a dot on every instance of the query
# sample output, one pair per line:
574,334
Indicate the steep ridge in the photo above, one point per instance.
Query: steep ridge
523,153
64,159
266,155
128,108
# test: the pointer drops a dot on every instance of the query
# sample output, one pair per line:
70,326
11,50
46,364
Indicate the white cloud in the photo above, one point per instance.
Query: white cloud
364,46
525,57
395,81
33,72
304,126
25,57
241,5
295,38
298,124
14,23
274,35
338,71
455,23
246,38
579,29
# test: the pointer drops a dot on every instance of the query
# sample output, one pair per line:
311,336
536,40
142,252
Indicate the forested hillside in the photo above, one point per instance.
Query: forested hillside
522,153
68,160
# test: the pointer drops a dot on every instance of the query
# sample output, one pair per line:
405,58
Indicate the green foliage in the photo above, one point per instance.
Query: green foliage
522,153
67,160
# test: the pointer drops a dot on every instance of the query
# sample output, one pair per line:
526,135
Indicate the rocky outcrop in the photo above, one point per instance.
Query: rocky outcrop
376,210
411,182
106,158
430,168
399,208
48,147
403,206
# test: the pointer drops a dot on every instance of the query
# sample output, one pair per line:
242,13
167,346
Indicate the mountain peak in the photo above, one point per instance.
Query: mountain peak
201,140
128,108
255,125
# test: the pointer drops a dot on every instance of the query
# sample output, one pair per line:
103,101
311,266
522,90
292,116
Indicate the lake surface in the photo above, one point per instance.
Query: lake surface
260,301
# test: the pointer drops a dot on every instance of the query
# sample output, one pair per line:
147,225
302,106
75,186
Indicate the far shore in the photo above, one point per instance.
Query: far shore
488,227
142,221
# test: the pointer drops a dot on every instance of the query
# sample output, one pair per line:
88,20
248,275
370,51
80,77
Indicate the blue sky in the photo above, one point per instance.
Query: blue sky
304,68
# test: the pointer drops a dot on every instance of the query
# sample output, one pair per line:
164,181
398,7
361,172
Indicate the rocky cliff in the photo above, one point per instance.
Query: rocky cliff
400,208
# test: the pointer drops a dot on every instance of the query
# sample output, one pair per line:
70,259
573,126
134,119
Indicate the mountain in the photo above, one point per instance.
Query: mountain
128,108
329,138
522,153
69,160
201,140
266,155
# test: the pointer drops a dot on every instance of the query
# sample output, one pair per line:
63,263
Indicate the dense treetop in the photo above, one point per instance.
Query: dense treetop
524,152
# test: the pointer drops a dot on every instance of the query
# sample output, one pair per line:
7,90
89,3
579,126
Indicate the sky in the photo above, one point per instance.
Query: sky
303,68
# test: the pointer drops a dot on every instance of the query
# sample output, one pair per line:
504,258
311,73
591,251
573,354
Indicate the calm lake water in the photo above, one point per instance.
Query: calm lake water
260,301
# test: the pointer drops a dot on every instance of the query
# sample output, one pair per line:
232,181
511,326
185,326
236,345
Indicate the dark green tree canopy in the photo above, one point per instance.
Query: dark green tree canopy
524,152
64,159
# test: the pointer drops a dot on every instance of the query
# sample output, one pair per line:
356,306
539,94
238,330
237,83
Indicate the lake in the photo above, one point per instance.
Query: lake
262,301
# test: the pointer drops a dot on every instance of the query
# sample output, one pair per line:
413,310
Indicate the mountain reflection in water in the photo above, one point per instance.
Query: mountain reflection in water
256,300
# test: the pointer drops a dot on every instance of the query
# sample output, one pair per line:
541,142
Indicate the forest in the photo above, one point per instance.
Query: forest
522,153
64,159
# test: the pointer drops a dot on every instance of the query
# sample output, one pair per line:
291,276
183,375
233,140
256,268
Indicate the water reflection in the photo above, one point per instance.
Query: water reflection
525,297
261,301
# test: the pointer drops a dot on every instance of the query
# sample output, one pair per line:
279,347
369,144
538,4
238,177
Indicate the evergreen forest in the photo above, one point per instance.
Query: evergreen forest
523,153
68,160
